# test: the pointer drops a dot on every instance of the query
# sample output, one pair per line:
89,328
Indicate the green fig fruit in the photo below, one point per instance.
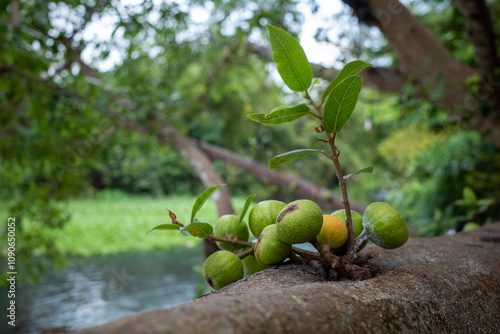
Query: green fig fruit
385,226
357,223
299,221
228,225
264,214
269,249
470,226
222,268
252,265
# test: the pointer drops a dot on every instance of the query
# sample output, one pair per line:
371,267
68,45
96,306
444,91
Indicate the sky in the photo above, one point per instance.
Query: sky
320,53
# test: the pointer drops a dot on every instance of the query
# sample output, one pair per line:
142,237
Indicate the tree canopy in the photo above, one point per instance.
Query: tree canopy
106,94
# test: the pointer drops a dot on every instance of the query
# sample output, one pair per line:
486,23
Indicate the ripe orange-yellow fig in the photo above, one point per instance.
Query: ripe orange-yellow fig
333,232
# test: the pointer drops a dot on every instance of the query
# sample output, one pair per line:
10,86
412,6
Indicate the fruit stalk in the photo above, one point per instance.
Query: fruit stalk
244,254
231,241
351,238
351,249
306,254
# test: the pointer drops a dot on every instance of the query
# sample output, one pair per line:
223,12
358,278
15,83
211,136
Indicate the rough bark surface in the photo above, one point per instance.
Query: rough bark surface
448,284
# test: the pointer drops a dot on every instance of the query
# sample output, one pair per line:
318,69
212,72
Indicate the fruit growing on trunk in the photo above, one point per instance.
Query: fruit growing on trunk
385,226
264,214
299,221
227,226
269,249
222,268
333,232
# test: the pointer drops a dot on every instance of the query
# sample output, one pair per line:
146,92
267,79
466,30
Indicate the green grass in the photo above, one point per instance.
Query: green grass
111,224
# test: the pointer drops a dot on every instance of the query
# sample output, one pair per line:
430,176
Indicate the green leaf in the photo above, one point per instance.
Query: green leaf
285,157
469,196
340,105
164,227
364,170
245,209
200,230
349,69
202,199
291,60
281,115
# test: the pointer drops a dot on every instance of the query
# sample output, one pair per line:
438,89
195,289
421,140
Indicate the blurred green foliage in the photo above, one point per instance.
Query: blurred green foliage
200,77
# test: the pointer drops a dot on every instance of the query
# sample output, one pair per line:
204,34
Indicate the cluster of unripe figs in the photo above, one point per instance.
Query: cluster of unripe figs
278,226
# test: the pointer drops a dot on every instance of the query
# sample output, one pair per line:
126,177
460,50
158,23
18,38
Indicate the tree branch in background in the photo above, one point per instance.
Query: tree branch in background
323,196
480,29
427,61
386,80
14,13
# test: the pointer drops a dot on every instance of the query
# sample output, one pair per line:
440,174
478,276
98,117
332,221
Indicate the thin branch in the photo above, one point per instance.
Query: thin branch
384,79
325,197
246,253
233,241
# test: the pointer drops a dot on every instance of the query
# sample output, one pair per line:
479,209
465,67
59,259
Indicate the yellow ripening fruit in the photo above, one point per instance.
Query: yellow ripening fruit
333,232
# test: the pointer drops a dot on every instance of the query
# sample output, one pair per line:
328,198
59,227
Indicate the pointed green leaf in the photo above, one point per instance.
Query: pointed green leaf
341,103
200,230
291,60
281,115
202,199
245,209
350,69
285,157
364,170
164,227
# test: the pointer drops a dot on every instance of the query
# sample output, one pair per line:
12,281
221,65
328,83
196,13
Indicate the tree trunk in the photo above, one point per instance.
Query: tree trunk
448,284
432,67
203,166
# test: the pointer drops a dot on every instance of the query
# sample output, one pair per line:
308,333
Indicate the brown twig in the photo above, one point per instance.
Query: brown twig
233,241
244,254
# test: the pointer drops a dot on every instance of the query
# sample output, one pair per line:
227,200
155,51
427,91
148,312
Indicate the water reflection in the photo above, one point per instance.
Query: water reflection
98,289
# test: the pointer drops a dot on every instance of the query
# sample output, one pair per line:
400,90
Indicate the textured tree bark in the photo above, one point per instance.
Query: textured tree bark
300,187
448,284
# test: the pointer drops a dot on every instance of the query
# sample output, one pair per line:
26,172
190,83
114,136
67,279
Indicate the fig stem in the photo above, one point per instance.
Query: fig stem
231,241
351,250
305,253
360,239
244,254
323,252
351,238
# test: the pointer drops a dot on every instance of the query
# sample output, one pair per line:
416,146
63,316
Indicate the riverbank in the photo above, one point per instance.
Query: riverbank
111,223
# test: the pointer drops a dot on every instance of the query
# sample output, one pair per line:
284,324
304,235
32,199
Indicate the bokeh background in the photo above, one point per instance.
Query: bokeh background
105,108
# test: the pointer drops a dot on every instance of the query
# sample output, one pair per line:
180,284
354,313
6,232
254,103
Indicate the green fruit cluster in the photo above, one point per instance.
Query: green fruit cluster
278,226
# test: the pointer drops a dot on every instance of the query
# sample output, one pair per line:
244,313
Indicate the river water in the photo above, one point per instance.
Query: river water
94,290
